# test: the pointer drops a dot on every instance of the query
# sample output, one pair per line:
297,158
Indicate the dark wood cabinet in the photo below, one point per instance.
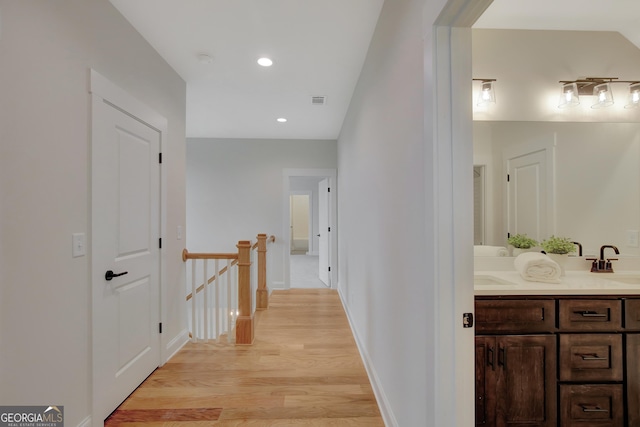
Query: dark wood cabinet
516,374
553,360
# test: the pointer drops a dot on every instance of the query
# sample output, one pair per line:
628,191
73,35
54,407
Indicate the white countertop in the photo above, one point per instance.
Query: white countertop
573,283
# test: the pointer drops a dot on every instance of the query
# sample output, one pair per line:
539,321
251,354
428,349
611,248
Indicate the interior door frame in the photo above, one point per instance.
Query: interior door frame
448,192
332,175
103,89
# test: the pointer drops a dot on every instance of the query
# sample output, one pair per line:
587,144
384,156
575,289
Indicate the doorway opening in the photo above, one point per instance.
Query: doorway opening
304,243
308,228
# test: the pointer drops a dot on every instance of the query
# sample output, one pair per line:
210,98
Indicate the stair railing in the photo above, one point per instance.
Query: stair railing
223,302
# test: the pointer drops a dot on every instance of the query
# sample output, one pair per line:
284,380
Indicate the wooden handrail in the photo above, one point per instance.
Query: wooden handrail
270,239
204,255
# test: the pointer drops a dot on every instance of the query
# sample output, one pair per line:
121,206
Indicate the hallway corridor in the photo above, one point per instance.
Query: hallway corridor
304,369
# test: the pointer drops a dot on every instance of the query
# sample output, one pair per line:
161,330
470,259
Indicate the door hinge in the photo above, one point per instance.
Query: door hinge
467,320
508,178
159,157
329,229
328,189
160,243
508,235
329,268
160,327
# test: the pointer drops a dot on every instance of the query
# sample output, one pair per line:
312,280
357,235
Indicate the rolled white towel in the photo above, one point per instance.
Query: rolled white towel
482,250
537,267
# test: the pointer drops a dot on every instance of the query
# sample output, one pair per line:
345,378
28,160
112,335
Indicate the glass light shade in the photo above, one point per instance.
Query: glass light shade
634,96
487,94
569,95
603,94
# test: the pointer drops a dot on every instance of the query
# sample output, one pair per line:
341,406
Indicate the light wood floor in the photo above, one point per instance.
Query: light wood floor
304,369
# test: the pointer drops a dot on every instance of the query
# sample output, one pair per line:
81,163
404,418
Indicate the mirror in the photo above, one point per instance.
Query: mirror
595,188
592,191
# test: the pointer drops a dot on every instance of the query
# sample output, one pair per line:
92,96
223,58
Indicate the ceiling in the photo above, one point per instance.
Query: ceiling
622,16
317,49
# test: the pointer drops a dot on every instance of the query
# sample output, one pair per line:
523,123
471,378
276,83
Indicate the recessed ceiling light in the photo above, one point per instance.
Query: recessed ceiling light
281,120
265,62
205,58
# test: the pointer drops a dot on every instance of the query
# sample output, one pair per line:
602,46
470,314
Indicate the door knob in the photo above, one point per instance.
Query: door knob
110,274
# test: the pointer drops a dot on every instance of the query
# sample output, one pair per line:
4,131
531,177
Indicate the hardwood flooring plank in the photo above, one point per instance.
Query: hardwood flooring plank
304,369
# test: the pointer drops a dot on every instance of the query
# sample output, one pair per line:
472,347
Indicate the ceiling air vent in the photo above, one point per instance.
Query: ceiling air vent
318,100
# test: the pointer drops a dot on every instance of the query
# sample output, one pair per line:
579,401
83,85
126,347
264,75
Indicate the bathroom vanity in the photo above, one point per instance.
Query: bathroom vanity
558,354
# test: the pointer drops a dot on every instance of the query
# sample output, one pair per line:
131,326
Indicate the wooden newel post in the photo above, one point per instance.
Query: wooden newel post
244,322
262,293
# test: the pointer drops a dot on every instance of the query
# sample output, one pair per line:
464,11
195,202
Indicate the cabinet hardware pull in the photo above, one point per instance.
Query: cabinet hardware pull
586,408
490,360
501,357
590,314
592,356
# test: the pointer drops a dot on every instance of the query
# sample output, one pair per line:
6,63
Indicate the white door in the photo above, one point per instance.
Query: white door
323,230
527,195
125,240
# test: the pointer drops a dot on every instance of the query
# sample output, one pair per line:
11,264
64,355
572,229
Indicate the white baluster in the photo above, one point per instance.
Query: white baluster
193,302
216,301
205,299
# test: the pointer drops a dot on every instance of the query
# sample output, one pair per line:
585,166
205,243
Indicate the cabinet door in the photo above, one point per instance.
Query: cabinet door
485,380
526,381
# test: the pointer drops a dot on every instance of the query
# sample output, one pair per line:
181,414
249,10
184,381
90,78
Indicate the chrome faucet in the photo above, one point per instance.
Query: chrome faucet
603,265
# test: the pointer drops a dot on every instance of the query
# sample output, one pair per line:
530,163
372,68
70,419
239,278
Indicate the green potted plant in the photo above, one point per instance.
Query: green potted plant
558,245
521,243
558,249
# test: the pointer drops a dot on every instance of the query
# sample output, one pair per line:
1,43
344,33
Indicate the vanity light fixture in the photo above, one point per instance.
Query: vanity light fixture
600,87
634,95
569,95
487,92
604,97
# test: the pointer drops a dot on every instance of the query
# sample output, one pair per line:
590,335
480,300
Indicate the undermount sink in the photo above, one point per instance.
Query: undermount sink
489,281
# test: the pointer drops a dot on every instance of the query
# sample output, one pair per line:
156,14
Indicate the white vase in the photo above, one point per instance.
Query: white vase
561,259
518,251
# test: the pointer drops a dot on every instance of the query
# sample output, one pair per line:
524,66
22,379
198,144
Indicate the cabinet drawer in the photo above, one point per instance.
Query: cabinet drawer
591,357
590,315
515,316
632,314
591,405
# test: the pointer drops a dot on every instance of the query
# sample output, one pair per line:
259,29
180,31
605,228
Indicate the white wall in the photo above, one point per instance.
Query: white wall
383,255
47,48
234,190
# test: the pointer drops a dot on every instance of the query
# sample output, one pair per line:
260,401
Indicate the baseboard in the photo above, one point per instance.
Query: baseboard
176,344
86,422
383,403
276,285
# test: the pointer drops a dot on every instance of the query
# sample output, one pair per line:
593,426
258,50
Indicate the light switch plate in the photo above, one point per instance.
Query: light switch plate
79,245
632,238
